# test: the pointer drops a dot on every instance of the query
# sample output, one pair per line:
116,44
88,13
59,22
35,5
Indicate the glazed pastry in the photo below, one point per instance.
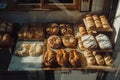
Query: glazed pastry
82,30
66,29
35,50
108,59
74,58
69,40
99,58
49,58
89,41
54,41
89,58
103,41
62,57
52,29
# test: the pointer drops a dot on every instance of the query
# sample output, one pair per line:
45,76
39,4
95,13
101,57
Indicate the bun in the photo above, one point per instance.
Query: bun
69,40
103,41
66,29
108,60
53,29
74,58
80,44
62,57
82,30
89,58
99,59
89,41
49,58
35,50
54,41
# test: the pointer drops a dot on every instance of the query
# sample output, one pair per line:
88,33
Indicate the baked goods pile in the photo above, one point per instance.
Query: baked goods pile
29,49
96,23
62,58
97,58
31,31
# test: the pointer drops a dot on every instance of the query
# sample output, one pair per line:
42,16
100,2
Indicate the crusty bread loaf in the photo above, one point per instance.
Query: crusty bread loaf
99,59
82,30
108,59
74,58
62,58
49,58
89,58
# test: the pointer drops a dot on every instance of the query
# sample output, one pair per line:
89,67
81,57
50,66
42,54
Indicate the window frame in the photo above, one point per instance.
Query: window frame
43,6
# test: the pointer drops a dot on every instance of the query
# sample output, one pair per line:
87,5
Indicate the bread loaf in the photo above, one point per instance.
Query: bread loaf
103,41
108,59
89,41
62,57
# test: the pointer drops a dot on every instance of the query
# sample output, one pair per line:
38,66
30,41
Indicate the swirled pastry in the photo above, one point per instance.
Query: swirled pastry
74,58
49,58
62,57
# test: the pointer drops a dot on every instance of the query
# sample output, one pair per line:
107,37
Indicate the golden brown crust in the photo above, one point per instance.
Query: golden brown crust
82,30
62,57
66,29
49,58
52,29
99,59
69,41
89,58
108,59
74,58
54,41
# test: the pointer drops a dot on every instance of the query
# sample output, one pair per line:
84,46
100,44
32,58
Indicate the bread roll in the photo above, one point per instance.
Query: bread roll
54,41
53,29
35,49
66,29
80,44
105,22
74,58
89,41
62,57
6,40
99,58
95,17
103,41
89,58
108,59
49,58
82,30
90,23
69,40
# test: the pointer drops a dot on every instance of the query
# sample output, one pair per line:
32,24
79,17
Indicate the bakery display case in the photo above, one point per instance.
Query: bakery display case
59,39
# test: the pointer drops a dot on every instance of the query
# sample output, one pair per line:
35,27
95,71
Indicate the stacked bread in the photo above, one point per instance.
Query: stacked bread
27,49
